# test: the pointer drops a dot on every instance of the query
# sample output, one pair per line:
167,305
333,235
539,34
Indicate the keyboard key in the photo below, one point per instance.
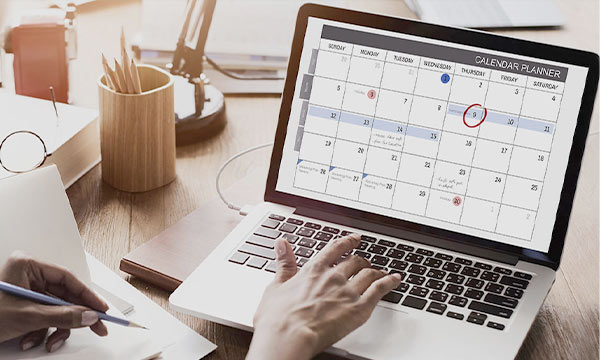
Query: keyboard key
415,279
444,257
455,278
239,258
380,260
403,287
271,224
424,252
476,318
368,238
494,288
362,254
256,262
346,233
258,251
455,315
452,267
261,241
490,309
272,267
474,283
514,282
386,243
502,270
414,302
398,265
431,262
474,294
276,217
305,232
458,301
331,230
312,226
301,261
288,228
323,236
304,252
414,258
522,275
495,325
435,284
512,292
469,271
438,296
295,221
291,238
320,246
437,308
436,274
490,276
380,268
363,245
405,247
392,297
396,254
483,266
501,300
463,261
454,289
376,249
306,242
268,233
417,269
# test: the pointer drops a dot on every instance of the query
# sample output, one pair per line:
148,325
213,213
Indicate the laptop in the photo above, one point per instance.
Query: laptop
454,153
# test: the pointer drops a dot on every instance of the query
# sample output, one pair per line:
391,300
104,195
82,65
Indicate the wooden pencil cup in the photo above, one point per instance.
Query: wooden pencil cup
137,133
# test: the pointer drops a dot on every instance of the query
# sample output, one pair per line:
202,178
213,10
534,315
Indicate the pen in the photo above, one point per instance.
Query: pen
49,300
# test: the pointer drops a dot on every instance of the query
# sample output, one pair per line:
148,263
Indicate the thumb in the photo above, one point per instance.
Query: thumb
286,261
65,317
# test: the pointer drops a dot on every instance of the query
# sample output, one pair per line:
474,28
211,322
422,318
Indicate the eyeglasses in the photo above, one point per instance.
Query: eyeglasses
22,151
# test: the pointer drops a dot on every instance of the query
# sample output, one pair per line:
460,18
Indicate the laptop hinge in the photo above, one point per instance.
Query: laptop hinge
410,235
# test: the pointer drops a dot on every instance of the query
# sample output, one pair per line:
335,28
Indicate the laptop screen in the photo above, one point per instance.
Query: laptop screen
455,137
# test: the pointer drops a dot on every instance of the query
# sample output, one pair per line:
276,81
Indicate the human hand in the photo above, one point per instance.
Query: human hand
304,312
22,317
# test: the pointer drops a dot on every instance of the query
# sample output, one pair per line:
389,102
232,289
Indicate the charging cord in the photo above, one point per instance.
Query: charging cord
233,75
245,209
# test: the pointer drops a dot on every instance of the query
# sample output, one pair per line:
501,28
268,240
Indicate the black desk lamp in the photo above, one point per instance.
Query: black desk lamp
209,116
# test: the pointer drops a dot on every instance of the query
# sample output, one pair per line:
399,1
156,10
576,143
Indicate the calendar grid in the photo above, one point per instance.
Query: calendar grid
546,172
473,158
350,130
340,119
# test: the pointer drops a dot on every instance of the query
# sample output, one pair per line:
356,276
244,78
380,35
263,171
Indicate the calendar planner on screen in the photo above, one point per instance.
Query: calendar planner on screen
460,138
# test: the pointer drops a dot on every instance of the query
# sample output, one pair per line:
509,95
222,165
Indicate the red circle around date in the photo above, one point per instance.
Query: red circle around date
457,201
482,119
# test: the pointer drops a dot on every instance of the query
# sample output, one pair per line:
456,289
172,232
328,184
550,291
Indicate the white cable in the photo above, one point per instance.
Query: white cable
241,153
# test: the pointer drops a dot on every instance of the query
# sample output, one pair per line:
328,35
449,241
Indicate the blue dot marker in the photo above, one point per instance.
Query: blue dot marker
445,78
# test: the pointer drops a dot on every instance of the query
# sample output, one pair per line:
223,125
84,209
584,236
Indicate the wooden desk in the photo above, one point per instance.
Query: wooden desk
112,223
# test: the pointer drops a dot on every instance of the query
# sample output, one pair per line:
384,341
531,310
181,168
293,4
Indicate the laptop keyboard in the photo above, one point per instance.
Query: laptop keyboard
436,282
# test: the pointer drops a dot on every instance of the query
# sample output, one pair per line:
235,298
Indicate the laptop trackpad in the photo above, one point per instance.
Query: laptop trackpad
384,334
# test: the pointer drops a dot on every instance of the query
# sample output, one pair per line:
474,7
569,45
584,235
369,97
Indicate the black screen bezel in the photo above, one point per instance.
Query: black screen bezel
458,36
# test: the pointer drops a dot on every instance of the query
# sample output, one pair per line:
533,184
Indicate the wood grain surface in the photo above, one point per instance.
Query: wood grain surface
112,223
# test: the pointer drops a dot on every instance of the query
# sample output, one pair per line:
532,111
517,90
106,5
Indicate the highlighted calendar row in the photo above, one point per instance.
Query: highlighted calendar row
418,200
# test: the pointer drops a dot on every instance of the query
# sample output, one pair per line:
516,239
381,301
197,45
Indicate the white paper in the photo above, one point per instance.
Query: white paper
36,218
182,343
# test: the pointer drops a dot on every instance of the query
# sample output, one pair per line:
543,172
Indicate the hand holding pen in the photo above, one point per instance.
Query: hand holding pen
20,317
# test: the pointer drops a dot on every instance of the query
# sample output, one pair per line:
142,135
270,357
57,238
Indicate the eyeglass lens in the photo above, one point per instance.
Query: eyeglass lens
21,152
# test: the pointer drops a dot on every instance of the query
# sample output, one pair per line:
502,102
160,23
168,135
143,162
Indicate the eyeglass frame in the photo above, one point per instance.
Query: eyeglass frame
46,155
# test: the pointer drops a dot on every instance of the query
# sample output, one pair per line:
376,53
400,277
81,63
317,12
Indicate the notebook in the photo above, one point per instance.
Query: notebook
74,143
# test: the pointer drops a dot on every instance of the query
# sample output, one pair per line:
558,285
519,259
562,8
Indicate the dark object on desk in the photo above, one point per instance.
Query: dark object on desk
208,118
168,258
